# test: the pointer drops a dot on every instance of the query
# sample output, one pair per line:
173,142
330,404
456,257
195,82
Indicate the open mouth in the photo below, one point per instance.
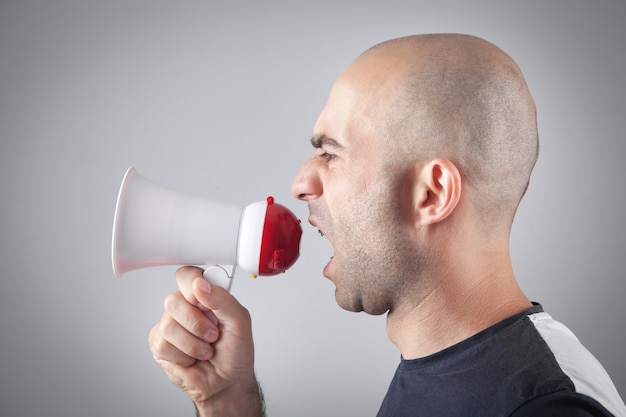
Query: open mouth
327,268
321,232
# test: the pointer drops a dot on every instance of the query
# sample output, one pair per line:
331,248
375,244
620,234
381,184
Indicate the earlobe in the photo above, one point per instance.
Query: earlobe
439,191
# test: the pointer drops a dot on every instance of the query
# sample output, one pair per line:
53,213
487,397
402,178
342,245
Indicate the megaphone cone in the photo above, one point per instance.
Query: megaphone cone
155,225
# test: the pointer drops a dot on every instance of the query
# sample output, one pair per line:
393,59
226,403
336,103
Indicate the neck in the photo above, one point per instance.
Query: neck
464,301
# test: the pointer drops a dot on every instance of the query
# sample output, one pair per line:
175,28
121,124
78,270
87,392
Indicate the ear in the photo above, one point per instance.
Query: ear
438,191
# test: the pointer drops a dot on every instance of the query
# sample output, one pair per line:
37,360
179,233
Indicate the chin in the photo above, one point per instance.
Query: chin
356,304
348,302
376,311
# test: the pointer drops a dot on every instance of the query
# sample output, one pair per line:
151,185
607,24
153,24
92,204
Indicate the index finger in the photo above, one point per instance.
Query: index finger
185,276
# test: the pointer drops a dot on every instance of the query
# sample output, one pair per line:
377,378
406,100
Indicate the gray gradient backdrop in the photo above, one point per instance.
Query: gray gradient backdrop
219,100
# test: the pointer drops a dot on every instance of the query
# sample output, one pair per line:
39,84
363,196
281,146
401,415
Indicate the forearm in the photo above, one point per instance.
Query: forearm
242,403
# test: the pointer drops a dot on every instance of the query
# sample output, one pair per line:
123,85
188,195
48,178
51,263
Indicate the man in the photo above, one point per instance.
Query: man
422,154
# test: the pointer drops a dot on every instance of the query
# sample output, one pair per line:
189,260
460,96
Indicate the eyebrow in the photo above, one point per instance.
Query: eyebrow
319,141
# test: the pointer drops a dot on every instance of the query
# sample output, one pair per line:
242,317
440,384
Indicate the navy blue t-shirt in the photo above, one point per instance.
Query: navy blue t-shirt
526,365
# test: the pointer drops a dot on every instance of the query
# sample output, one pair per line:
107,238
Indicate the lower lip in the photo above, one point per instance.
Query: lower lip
327,268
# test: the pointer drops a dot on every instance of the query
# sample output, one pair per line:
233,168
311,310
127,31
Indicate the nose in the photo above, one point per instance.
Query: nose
307,184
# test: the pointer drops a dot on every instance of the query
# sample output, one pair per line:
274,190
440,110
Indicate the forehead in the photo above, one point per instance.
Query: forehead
351,116
363,98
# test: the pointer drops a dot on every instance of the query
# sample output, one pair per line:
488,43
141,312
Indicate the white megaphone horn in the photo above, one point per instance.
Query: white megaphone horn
155,225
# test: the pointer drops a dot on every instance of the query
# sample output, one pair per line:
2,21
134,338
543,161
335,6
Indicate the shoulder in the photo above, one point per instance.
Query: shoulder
562,403
588,376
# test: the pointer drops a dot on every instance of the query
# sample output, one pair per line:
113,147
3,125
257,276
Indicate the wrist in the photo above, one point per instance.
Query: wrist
245,400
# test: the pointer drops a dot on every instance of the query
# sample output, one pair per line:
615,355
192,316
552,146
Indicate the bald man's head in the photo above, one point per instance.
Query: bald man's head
461,98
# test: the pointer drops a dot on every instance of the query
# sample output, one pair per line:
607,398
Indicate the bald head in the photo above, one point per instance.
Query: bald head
457,97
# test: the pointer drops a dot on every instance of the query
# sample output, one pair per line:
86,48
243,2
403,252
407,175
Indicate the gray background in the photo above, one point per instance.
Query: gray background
219,100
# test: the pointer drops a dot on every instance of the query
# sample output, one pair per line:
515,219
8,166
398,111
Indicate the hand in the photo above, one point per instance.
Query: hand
213,364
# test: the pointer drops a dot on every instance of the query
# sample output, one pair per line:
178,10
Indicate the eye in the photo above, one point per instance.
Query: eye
328,156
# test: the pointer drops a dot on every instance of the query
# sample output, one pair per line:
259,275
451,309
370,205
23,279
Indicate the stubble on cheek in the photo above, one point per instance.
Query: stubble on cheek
364,260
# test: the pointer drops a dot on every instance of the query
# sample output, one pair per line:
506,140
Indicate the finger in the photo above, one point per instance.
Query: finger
182,340
185,276
191,318
163,351
227,309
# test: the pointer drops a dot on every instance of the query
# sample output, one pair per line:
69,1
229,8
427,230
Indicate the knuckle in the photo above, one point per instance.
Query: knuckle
167,326
170,302
185,272
245,315
196,327
158,347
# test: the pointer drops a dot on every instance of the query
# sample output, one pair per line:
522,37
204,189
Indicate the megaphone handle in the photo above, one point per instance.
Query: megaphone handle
221,275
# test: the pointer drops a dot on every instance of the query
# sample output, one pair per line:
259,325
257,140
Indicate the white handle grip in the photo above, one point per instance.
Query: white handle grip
221,275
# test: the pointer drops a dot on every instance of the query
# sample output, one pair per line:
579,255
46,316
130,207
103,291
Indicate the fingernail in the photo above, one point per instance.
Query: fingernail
210,336
204,286
206,355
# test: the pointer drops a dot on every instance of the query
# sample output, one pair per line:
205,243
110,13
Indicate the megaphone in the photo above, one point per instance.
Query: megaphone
155,225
